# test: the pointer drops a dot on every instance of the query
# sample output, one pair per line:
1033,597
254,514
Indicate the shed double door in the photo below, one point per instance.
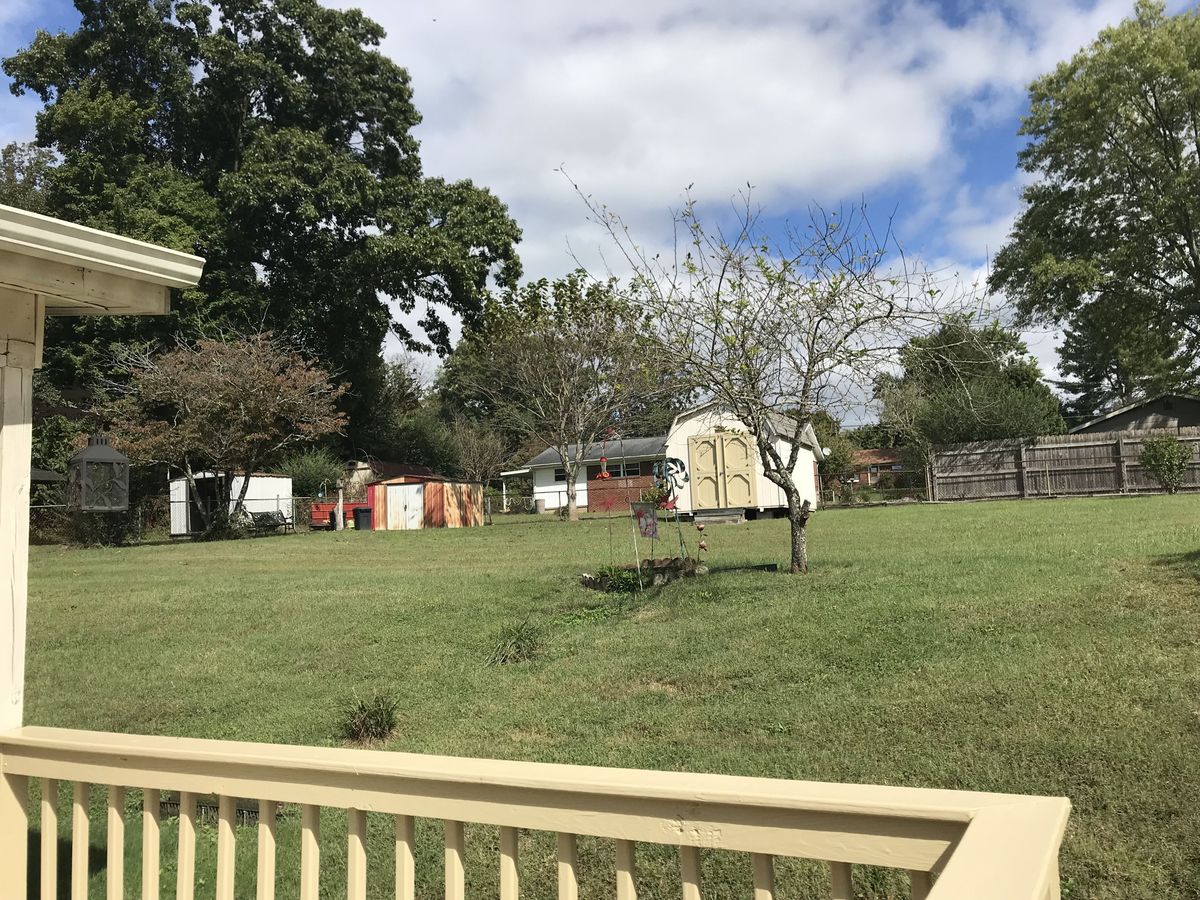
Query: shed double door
405,506
724,475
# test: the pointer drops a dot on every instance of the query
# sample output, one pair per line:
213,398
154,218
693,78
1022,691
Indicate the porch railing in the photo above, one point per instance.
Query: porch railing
956,845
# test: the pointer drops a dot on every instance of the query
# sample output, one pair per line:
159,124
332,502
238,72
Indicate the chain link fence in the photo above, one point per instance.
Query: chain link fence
893,486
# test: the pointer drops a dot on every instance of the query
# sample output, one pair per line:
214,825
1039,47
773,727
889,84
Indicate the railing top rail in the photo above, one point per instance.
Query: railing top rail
987,846
922,803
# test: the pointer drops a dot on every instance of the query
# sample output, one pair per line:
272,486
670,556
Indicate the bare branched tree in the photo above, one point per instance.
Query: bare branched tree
775,325
481,450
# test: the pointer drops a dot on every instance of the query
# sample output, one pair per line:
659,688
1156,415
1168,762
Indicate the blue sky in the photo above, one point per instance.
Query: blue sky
913,105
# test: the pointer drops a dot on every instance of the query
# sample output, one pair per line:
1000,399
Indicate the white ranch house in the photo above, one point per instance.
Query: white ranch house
717,453
954,844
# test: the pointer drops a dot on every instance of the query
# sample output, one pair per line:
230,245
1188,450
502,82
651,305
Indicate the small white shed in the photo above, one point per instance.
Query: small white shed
265,493
723,467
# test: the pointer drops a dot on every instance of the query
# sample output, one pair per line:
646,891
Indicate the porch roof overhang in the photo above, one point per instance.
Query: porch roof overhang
83,271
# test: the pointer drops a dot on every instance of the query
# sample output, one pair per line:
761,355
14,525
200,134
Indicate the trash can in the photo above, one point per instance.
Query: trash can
362,518
332,519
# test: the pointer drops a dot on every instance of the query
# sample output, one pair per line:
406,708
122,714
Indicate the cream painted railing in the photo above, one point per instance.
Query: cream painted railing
957,845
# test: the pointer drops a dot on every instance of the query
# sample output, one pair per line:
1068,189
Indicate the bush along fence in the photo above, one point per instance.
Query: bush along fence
1055,466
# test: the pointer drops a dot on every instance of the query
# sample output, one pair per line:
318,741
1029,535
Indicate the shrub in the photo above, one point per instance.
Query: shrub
369,720
101,529
1166,460
313,472
517,644
656,495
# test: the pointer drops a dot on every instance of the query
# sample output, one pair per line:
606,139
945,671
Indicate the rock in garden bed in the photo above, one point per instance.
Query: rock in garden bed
654,572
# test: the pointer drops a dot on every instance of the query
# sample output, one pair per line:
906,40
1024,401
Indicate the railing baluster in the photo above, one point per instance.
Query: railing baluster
226,847
568,867
151,842
79,841
689,867
841,881
406,867
185,860
626,871
1054,891
14,833
49,866
922,884
356,854
456,872
510,868
115,846
265,882
310,852
764,876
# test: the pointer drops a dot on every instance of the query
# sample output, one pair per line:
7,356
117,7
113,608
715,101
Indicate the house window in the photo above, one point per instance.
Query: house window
619,470
560,474
874,469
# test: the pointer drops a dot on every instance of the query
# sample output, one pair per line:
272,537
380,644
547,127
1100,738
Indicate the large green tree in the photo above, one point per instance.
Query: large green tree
1111,357
964,383
24,172
274,138
1109,239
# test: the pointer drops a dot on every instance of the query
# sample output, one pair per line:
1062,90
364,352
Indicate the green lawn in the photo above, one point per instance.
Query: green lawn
1037,647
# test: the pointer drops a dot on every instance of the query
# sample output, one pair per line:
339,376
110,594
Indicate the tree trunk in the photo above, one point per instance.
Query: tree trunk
194,493
241,500
798,514
572,503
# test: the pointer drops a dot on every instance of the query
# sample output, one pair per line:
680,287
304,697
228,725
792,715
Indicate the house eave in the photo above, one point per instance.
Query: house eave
82,271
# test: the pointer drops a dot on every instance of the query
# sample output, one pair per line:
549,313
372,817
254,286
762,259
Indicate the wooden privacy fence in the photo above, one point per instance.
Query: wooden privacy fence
1053,466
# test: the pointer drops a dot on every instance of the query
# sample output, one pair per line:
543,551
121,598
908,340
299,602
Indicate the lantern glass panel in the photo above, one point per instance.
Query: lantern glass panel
107,486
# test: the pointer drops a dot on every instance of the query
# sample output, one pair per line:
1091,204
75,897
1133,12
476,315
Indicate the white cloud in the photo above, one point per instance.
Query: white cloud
639,100
805,99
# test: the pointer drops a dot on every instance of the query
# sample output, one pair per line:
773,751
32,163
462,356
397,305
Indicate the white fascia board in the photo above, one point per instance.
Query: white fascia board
88,270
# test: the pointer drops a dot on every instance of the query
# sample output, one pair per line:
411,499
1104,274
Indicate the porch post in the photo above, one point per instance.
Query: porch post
21,317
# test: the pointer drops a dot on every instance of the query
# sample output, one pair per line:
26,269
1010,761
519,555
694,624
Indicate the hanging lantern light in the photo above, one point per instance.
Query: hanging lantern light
98,478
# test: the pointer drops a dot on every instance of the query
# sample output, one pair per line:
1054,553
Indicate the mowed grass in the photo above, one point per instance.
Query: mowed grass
1037,647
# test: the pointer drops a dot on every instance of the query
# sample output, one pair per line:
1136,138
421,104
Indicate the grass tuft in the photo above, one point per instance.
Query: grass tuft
370,720
517,644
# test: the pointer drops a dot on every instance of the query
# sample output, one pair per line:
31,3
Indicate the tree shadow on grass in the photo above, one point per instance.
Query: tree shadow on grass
1185,565
96,861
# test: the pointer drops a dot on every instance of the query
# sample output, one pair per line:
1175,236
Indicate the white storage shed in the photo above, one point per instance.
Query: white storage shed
265,493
